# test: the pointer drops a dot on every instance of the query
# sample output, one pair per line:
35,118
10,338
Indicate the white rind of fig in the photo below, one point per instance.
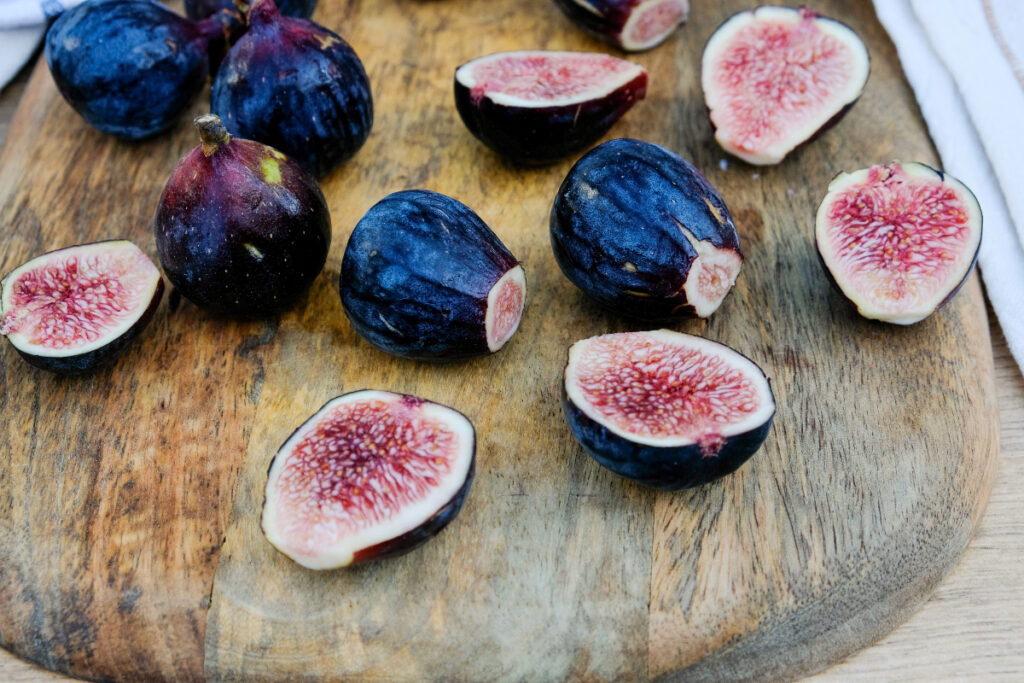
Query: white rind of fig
775,77
898,240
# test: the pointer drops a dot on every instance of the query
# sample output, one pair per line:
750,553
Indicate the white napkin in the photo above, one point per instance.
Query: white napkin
963,60
22,25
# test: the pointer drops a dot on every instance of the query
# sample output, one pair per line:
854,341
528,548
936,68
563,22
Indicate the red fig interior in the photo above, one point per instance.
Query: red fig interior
505,307
665,388
539,78
369,467
651,22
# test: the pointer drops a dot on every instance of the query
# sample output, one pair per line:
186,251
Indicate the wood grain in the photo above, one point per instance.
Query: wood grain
782,558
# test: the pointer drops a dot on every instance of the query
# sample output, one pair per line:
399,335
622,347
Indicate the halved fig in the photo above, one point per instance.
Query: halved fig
898,240
535,106
666,409
75,309
641,231
774,77
633,25
371,475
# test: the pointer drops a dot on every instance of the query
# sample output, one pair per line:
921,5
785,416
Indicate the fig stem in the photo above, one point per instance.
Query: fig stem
212,132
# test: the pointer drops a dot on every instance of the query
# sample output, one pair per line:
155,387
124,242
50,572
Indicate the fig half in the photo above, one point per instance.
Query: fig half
898,240
75,309
774,77
641,231
633,25
536,106
371,475
666,409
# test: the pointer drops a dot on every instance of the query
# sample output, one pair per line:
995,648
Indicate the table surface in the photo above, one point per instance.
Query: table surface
971,628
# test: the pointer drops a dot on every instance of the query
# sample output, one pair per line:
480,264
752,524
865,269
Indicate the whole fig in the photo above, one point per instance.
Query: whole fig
200,9
294,85
241,228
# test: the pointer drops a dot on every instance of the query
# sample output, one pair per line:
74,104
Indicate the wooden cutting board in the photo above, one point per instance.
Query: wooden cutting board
130,499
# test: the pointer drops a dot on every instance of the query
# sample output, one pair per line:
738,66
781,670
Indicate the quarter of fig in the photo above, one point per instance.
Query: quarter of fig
371,475
666,409
241,228
640,230
774,77
76,309
200,9
535,106
423,277
898,240
296,86
633,25
130,68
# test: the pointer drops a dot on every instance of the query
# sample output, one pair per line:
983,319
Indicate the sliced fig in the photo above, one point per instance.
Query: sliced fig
898,240
75,309
535,106
371,475
774,77
241,228
296,86
423,277
131,68
633,25
666,409
640,230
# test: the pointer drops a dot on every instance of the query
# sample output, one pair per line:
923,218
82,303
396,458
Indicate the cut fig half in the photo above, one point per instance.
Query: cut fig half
76,309
536,106
666,409
774,77
633,25
898,240
371,475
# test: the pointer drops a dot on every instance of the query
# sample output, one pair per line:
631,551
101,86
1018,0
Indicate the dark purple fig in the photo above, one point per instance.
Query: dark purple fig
640,230
423,277
200,9
666,409
774,77
898,240
633,25
76,309
130,68
296,86
535,106
241,228
371,475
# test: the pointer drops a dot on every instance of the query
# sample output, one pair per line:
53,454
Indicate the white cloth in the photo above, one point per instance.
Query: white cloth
963,60
22,25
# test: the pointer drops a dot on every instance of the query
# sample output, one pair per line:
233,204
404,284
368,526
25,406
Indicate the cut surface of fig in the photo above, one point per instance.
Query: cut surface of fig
898,239
664,408
773,77
76,308
633,25
536,105
372,474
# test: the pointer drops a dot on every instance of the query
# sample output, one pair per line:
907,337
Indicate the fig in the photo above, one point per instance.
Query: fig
898,240
296,86
641,231
200,9
76,309
775,77
633,25
666,409
536,106
131,68
240,228
424,277
371,475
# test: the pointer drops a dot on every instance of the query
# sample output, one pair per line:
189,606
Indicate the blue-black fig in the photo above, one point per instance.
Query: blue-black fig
200,9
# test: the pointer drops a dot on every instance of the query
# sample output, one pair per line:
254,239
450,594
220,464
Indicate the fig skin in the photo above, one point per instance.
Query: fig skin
200,9
616,228
416,275
607,19
93,52
241,229
296,86
541,135
100,357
